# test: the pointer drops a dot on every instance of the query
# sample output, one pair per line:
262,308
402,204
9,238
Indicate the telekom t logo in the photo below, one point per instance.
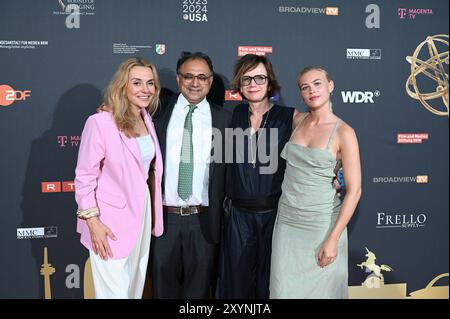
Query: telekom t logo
8,95
402,13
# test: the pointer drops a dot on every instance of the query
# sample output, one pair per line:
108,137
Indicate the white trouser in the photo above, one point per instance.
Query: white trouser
124,278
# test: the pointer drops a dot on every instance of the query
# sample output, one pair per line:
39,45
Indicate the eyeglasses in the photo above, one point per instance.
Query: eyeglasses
188,77
259,79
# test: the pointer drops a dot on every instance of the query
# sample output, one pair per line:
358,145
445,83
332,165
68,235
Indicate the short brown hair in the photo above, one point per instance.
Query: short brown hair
247,63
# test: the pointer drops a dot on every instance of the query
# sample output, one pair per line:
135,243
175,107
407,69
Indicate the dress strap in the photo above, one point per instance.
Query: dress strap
333,133
302,117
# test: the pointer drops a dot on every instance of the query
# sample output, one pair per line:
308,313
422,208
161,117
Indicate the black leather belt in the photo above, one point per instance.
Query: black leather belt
258,204
185,210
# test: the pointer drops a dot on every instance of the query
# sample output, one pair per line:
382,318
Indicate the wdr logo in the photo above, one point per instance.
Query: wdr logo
8,95
359,96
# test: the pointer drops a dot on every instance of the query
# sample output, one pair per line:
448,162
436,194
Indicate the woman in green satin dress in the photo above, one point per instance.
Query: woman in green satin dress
309,246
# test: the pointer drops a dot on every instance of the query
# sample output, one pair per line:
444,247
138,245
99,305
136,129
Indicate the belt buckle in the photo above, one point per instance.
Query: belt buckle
184,208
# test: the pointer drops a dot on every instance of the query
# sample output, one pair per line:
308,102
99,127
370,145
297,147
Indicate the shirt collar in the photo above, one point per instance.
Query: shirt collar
183,102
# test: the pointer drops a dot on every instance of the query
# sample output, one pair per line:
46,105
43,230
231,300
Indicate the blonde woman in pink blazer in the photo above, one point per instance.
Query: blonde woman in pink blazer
118,182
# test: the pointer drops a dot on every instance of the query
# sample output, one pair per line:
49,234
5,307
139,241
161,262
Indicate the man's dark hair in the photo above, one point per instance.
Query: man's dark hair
188,56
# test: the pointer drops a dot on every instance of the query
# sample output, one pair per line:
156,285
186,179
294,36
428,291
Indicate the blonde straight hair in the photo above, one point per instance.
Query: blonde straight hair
321,69
115,96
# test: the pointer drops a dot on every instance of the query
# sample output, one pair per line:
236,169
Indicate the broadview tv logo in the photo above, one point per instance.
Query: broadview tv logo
329,11
419,179
332,11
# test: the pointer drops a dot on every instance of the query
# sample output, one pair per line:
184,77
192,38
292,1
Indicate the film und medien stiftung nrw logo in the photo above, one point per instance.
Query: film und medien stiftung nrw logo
37,232
195,10
364,54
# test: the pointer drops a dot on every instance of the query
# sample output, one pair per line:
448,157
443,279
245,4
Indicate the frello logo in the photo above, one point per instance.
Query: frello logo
430,67
359,96
373,19
375,279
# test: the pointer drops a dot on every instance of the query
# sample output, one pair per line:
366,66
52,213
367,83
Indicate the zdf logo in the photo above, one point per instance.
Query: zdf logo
359,96
8,95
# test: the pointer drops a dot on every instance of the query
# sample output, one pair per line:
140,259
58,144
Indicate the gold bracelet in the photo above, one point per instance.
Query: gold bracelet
88,213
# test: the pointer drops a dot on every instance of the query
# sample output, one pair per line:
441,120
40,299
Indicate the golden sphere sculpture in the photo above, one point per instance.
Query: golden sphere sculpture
435,68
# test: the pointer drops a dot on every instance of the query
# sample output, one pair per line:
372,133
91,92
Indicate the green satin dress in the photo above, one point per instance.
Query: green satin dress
307,211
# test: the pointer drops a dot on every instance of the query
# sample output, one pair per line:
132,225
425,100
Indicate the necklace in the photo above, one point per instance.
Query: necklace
253,155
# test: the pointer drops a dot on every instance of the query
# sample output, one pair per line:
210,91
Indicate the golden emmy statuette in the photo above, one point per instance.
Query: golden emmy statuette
434,67
47,270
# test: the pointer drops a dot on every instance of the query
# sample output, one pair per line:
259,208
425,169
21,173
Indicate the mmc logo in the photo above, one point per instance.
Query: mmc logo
8,95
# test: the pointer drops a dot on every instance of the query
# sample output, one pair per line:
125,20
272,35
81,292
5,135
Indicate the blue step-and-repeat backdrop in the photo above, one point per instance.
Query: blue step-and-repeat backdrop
389,61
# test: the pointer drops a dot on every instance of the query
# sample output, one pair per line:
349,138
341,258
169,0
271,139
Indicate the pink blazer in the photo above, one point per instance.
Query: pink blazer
109,175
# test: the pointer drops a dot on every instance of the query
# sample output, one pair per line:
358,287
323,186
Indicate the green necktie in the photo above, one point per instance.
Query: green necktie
186,169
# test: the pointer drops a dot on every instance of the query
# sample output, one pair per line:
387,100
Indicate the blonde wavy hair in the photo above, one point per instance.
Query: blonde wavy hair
115,97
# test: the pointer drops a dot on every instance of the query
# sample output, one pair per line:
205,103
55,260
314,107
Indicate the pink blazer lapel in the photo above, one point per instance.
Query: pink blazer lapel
133,147
151,129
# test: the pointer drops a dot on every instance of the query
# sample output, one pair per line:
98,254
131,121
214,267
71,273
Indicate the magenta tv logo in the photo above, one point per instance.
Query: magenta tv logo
411,13
64,139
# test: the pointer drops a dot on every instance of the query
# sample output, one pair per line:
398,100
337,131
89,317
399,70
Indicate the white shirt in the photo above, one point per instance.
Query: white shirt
147,149
201,141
